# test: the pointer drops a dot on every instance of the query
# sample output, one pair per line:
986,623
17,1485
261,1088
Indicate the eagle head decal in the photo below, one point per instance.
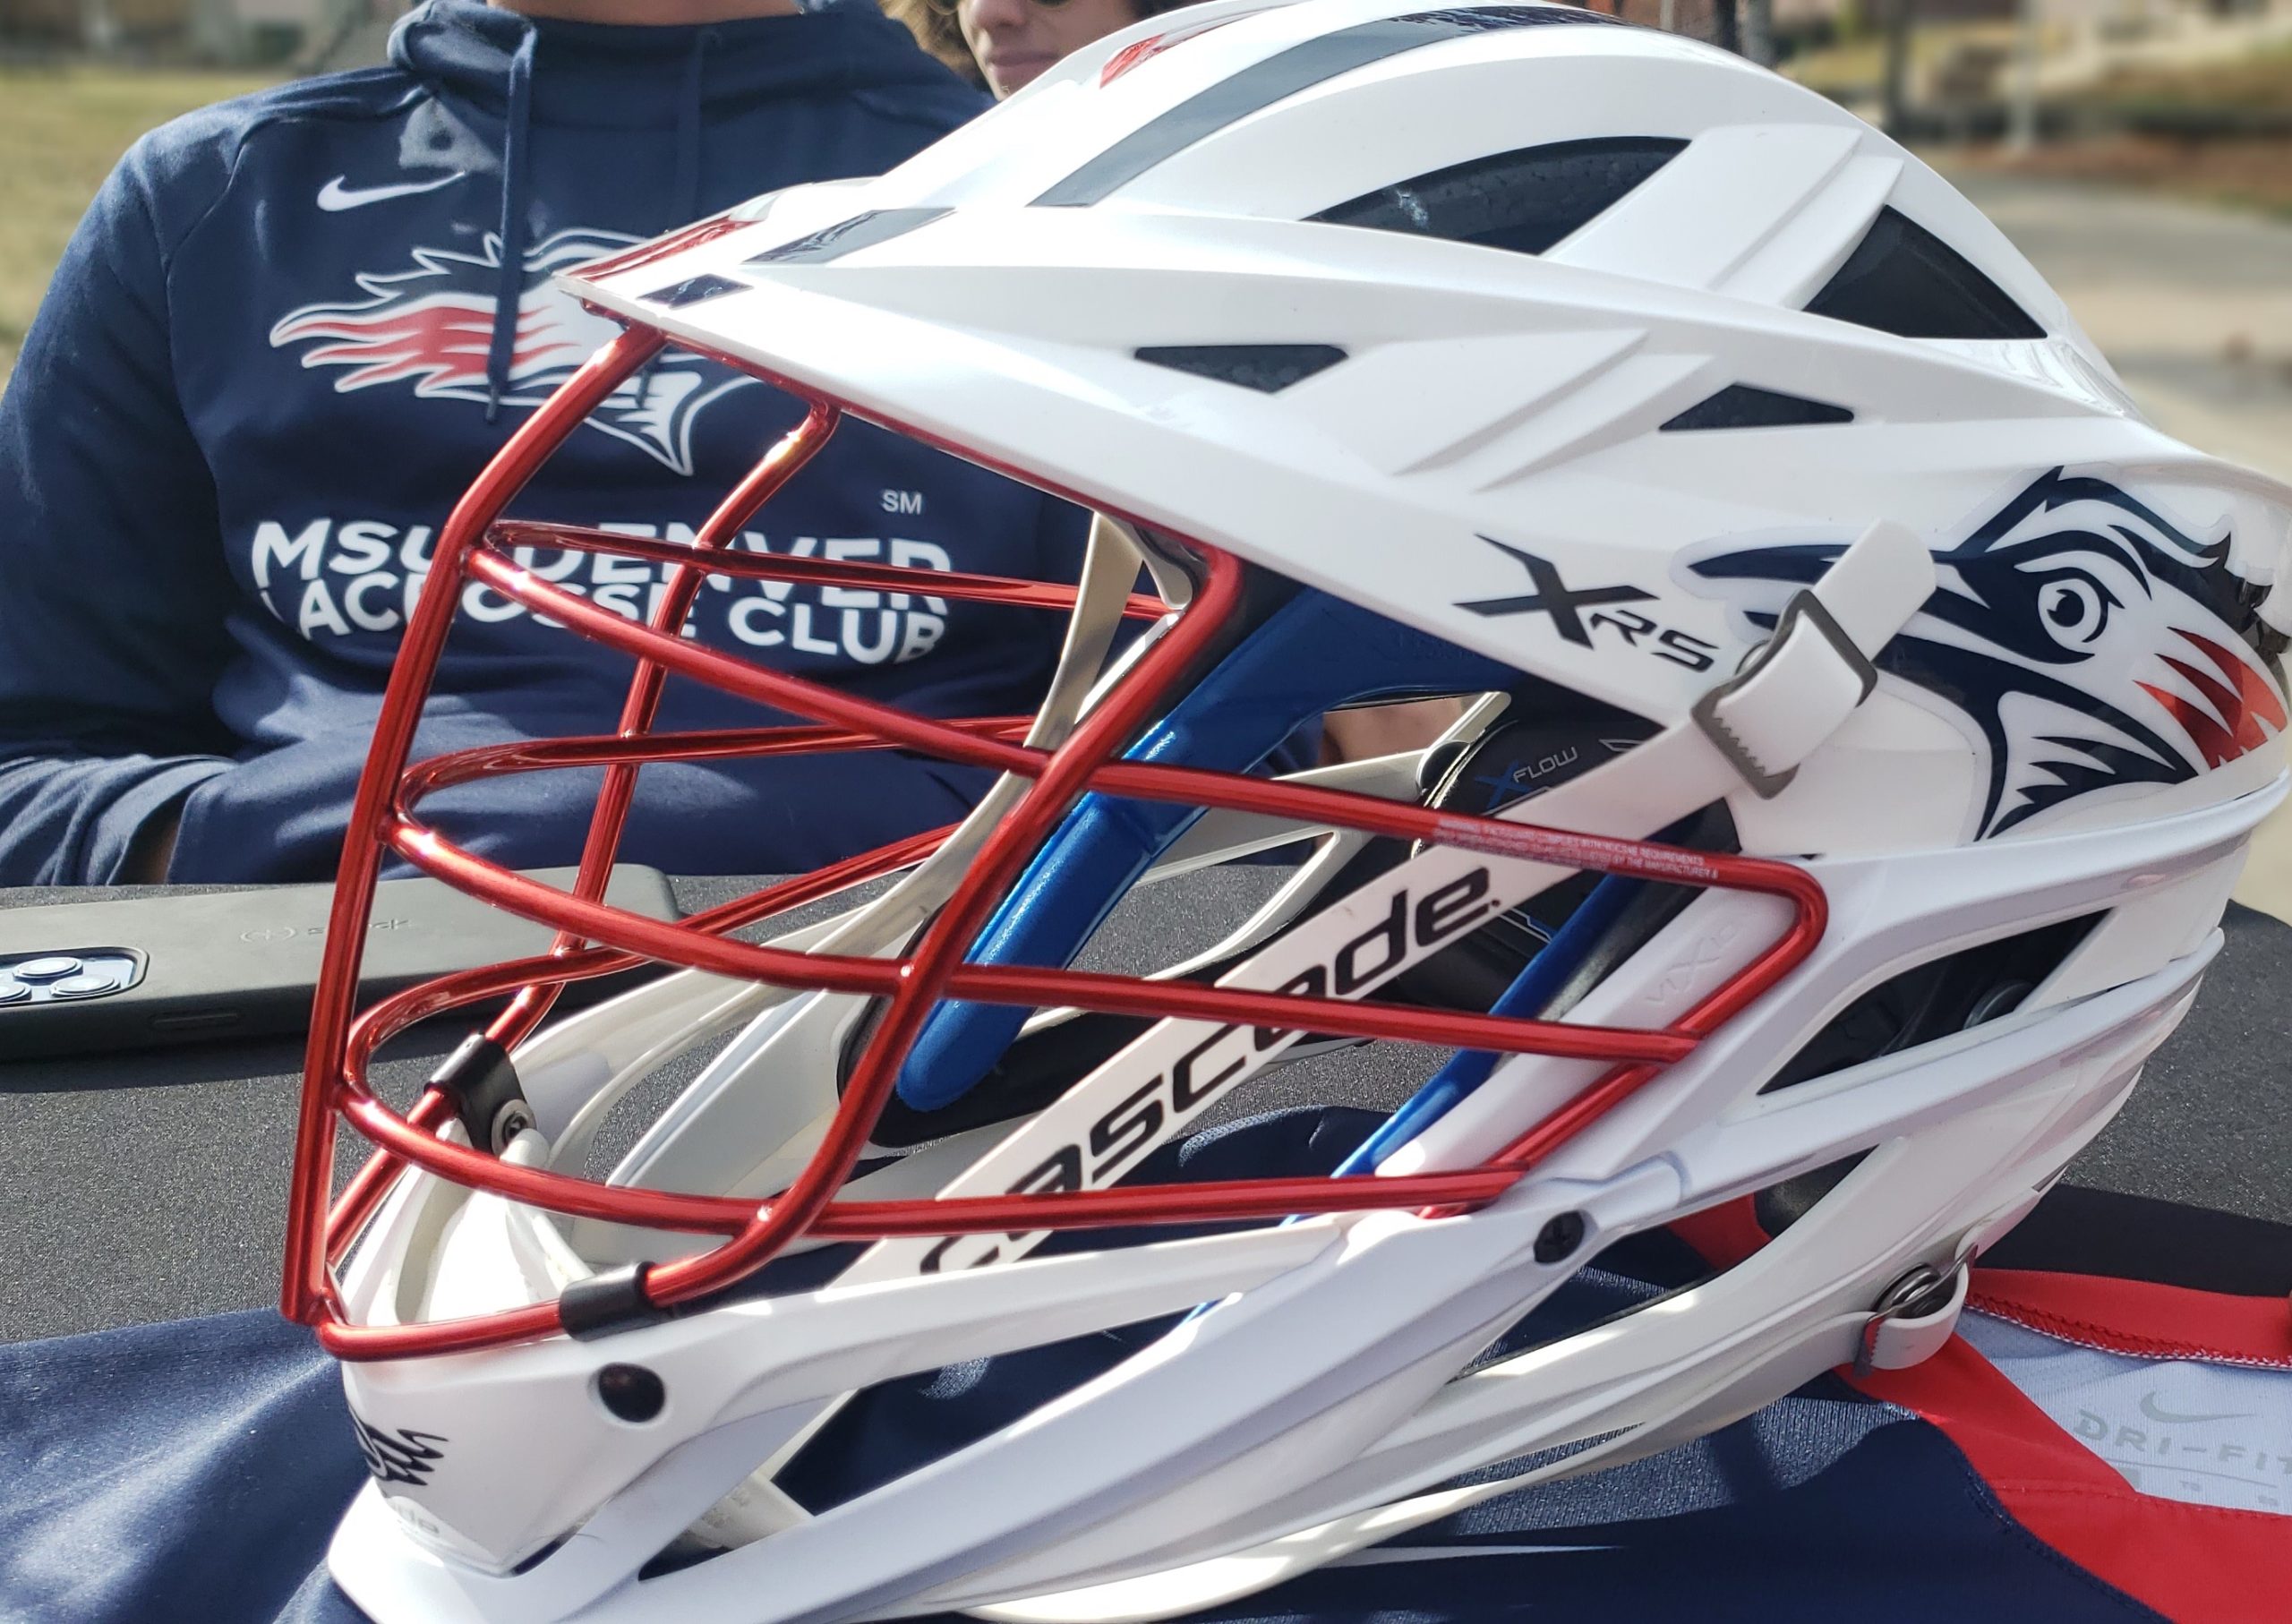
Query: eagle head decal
2089,642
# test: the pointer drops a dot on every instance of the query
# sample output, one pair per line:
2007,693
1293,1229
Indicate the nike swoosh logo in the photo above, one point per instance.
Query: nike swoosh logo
2148,1408
333,197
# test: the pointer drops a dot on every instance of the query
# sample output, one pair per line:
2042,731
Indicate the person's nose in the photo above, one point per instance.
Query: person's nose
993,17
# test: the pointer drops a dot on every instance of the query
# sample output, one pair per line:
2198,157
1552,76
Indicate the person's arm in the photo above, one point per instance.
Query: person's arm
112,585
1386,729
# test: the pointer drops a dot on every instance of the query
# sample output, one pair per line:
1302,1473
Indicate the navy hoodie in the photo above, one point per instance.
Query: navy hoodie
270,361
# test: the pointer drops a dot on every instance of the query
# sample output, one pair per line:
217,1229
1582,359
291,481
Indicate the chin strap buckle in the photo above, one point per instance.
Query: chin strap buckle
1800,687
1915,1316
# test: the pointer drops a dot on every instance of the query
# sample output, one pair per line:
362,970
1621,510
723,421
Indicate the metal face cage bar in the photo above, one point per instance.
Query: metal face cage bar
594,938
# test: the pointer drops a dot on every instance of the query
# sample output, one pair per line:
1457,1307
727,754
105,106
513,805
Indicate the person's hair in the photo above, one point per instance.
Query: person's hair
936,31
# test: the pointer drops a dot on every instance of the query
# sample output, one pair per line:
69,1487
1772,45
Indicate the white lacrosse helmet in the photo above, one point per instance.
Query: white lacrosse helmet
1751,490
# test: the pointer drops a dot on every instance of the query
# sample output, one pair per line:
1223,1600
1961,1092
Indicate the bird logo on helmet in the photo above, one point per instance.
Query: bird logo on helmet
2089,641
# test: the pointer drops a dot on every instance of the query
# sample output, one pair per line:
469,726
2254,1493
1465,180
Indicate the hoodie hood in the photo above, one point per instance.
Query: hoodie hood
617,76
504,75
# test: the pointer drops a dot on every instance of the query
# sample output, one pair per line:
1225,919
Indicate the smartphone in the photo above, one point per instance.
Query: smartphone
166,968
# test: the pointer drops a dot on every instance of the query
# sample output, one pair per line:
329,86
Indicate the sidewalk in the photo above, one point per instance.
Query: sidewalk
2194,307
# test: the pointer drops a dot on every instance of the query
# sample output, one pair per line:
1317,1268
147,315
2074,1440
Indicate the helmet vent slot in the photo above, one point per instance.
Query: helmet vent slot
1525,200
1268,368
1739,406
1902,280
1933,1000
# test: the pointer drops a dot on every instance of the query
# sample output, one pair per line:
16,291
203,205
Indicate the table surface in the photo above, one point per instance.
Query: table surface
151,1185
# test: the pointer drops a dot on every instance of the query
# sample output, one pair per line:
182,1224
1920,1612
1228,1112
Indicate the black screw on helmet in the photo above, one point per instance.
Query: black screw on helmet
1560,1238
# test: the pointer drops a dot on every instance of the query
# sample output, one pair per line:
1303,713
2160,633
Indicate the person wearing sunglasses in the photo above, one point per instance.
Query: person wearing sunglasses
1005,44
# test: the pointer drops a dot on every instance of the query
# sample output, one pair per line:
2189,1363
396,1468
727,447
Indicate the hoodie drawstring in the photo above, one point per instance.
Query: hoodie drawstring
686,191
509,282
685,188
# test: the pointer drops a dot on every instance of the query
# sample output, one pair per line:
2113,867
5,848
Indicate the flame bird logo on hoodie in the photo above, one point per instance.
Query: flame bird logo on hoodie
431,328
2090,642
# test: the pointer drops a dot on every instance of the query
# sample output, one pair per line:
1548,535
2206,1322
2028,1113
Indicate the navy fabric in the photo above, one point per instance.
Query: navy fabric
195,1471
290,331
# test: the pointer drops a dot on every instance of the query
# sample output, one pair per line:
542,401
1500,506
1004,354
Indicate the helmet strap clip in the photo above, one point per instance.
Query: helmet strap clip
1915,1316
482,1083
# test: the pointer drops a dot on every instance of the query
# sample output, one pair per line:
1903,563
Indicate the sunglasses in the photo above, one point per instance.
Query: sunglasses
948,8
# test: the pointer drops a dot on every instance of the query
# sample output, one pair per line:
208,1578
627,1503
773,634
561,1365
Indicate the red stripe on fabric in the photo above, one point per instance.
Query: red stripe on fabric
2194,1564
2141,1317
2198,1564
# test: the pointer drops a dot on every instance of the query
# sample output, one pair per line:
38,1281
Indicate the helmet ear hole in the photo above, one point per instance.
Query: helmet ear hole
1935,999
1952,994
2003,999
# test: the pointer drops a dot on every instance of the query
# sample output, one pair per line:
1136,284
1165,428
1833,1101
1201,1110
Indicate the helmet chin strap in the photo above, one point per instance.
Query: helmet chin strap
1804,682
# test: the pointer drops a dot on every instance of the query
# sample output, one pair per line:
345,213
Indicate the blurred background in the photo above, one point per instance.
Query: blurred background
2139,152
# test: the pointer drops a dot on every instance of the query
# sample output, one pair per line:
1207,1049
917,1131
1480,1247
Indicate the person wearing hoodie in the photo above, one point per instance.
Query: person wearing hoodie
1006,45
293,326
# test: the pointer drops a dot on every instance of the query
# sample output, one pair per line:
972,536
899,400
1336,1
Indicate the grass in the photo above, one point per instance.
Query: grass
1852,70
68,127
2129,119
2259,82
